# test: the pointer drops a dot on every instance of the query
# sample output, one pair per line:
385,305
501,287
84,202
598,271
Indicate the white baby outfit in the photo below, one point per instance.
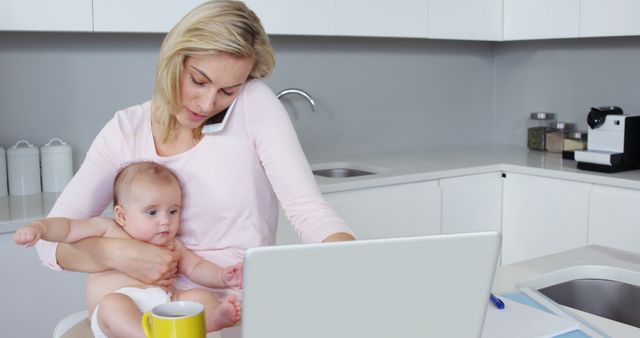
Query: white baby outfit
145,299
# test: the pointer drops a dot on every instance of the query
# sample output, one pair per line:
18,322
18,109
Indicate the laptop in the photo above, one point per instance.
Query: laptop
429,286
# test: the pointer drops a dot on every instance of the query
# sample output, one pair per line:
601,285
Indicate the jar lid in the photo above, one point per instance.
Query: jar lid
27,150
562,125
49,148
542,116
577,135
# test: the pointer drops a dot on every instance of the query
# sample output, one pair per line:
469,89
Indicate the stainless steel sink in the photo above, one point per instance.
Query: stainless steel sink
606,298
341,172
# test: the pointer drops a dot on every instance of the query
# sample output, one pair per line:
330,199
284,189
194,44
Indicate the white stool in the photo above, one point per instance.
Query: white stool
68,322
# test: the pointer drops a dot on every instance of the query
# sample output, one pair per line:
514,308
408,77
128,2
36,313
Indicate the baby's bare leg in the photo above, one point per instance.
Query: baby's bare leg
119,317
218,314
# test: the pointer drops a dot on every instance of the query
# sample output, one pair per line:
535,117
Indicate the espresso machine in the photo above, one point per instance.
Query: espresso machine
613,141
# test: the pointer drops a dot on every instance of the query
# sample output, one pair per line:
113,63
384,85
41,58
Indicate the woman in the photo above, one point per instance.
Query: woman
232,180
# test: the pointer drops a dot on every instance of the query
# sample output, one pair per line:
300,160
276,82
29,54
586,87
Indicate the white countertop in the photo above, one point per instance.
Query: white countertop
442,163
392,168
508,276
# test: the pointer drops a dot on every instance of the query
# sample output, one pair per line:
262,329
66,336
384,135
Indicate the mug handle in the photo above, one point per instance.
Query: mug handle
145,324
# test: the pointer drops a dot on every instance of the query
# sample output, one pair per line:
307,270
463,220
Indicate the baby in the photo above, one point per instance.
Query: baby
147,199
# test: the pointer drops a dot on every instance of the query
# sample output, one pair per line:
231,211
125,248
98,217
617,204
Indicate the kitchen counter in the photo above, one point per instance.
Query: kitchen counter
394,168
508,276
391,168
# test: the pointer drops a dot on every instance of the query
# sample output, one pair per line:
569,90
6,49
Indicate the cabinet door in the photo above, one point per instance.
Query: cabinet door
542,216
400,210
35,298
465,19
46,15
139,15
294,17
472,203
609,17
614,218
400,18
541,19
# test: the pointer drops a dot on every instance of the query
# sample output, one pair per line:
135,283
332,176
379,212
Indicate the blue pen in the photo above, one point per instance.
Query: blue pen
496,301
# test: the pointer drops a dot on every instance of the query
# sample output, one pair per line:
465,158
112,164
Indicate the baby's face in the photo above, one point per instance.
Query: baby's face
152,212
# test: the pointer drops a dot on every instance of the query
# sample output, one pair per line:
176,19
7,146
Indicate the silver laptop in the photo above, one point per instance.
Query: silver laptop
431,286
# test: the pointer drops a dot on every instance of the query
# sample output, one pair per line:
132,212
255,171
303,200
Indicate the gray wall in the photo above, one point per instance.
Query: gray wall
564,76
373,94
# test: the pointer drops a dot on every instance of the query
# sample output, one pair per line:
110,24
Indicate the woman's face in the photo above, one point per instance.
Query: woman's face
208,85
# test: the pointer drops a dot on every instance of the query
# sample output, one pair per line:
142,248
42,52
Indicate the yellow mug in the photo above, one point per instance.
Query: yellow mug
175,320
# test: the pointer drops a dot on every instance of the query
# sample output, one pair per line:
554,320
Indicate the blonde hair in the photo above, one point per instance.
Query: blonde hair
137,171
212,28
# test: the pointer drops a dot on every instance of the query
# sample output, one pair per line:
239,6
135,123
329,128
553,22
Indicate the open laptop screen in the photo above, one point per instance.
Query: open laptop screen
430,286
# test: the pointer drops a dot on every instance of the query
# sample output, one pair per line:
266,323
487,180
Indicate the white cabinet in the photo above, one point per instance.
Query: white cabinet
140,15
294,17
35,298
609,17
46,15
465,19
400,18
541,19
400,210
614,218
542,216
472,203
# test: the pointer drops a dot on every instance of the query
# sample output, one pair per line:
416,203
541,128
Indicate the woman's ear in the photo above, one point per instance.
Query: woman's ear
119,216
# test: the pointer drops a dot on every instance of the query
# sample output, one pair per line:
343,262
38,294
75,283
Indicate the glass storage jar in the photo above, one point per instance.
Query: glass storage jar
556,133
575,140
537,129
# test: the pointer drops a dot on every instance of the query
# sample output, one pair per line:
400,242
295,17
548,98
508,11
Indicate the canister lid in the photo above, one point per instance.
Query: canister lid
23,148
543,116
577,135
562,125
50,147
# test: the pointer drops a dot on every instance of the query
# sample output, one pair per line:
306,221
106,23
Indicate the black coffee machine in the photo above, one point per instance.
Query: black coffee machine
613,141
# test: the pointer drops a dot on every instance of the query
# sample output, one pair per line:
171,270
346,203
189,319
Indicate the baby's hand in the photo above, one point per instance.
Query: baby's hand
28,235
232,275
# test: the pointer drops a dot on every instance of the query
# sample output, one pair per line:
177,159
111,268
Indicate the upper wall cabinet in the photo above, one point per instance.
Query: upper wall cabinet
465,19
46,15
140,15
400,18
609,17
295,17
541,19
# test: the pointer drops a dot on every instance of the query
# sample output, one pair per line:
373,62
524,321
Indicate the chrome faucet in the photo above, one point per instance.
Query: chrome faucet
299,92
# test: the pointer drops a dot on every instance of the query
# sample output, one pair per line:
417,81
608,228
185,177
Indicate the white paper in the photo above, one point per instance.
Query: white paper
518,320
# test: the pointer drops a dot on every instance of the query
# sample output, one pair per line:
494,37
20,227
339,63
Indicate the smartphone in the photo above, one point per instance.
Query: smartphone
216,123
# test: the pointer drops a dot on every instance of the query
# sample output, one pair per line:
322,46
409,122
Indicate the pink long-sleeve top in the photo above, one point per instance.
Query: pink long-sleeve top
231,181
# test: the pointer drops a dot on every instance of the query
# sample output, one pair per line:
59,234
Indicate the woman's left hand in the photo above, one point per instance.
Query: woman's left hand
339,237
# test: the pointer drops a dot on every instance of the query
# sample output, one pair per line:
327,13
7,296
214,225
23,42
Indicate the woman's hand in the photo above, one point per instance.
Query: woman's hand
338,237
146,262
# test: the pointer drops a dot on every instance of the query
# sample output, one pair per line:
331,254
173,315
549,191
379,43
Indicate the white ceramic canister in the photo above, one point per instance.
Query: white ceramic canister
23,164
57,165
3,173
